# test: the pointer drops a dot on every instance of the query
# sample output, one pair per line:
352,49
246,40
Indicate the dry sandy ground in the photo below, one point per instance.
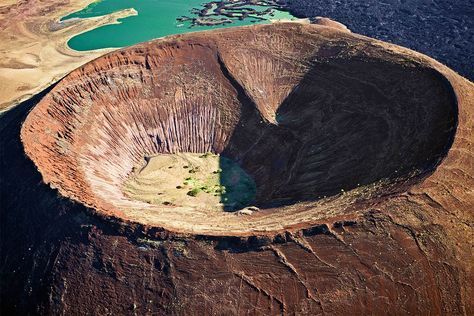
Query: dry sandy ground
167,179
191,181
33,50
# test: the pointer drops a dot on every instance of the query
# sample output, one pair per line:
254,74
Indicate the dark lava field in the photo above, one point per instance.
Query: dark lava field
442,29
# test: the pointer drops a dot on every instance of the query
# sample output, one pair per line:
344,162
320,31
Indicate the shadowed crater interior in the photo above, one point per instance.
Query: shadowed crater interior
284,114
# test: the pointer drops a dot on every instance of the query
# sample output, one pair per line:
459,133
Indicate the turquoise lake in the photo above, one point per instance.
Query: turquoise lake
156,18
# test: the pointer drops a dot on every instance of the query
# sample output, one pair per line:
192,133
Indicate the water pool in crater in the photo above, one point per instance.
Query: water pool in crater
156,18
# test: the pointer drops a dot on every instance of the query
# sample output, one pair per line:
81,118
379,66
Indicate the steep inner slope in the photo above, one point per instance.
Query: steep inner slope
307,112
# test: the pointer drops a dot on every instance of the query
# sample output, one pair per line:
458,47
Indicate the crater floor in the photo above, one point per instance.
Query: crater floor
191,182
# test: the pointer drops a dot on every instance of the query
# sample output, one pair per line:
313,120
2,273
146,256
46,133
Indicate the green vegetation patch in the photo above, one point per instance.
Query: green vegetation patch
191,180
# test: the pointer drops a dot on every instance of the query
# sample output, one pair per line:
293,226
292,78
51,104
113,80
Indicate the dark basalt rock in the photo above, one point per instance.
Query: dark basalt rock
442,29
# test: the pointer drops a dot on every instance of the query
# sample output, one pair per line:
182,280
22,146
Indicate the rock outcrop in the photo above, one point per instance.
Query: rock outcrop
361,152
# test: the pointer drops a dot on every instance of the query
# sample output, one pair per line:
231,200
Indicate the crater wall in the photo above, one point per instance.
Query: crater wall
306,110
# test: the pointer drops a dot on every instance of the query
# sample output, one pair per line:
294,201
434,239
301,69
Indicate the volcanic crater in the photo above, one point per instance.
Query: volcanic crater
284,169
318,118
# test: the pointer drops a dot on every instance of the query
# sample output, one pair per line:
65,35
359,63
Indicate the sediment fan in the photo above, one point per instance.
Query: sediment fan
344,137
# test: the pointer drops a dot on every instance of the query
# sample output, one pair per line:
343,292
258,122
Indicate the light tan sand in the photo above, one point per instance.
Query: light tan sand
190,181
183,179
4,3
33,49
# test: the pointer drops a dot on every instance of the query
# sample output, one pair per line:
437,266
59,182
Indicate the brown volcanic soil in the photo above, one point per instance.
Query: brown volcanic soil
361,152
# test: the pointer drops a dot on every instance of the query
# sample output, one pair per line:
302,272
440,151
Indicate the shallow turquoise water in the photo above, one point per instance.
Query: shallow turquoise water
156,18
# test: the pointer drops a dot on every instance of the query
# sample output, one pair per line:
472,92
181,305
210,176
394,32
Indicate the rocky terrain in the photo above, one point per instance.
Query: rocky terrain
442,29
361,152
225,12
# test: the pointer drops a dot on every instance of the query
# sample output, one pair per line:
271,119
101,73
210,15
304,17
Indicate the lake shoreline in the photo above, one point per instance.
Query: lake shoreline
41,55
163,18
222,12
